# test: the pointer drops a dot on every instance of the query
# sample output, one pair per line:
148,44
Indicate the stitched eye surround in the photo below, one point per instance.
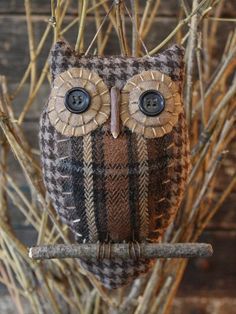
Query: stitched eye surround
150,104
79,102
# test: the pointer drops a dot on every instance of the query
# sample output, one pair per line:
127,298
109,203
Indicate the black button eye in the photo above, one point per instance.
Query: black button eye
151,103
77,100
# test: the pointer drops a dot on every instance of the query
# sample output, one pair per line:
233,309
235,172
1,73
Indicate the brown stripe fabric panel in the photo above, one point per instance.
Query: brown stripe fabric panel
88,188
117,187
143,182
99,187
133,183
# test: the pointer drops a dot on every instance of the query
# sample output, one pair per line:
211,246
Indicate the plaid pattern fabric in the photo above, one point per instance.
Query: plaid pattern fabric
127,189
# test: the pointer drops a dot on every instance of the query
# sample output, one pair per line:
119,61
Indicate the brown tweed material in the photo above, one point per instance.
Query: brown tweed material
133,175
99,175
116,186
124,189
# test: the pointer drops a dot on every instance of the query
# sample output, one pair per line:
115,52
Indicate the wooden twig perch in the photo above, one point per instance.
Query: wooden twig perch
121,250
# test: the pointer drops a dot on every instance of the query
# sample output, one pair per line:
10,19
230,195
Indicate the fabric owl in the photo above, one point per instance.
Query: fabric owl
115,151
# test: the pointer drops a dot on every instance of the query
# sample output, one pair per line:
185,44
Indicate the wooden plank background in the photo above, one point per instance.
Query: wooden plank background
209,285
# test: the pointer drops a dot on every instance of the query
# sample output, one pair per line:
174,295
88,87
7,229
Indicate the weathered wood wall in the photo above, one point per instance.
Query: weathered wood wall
209,286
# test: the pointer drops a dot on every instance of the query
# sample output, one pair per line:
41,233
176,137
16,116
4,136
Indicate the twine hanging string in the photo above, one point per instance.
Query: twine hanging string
137,31
117,3
99,29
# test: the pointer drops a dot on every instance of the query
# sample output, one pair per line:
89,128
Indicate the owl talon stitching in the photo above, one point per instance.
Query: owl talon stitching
134,250
104,250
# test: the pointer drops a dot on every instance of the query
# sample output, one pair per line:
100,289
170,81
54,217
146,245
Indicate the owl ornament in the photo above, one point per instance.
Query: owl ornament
115,152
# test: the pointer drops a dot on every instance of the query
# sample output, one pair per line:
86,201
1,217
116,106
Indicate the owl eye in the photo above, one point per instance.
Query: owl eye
150,104
79,102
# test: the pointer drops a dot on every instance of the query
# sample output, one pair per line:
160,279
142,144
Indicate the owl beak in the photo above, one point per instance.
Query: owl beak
115,111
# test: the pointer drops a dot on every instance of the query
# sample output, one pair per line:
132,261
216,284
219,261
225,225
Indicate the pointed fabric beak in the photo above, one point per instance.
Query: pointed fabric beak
115,111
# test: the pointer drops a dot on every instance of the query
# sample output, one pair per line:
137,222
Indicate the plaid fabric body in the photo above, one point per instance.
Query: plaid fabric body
127,189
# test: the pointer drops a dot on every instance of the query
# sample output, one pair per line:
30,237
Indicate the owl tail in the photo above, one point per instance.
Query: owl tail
116,273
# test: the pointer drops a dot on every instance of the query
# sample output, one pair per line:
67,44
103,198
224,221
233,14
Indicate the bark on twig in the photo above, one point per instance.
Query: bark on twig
121,250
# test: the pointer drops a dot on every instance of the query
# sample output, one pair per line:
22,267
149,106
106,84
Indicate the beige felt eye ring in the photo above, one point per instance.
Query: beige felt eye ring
135,119
73,124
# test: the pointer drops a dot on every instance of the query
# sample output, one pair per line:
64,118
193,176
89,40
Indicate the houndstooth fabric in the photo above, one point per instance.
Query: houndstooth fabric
127,189
116,70
116,273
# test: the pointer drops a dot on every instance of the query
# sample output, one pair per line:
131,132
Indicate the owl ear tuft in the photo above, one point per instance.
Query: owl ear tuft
176,53
171,62
61,56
